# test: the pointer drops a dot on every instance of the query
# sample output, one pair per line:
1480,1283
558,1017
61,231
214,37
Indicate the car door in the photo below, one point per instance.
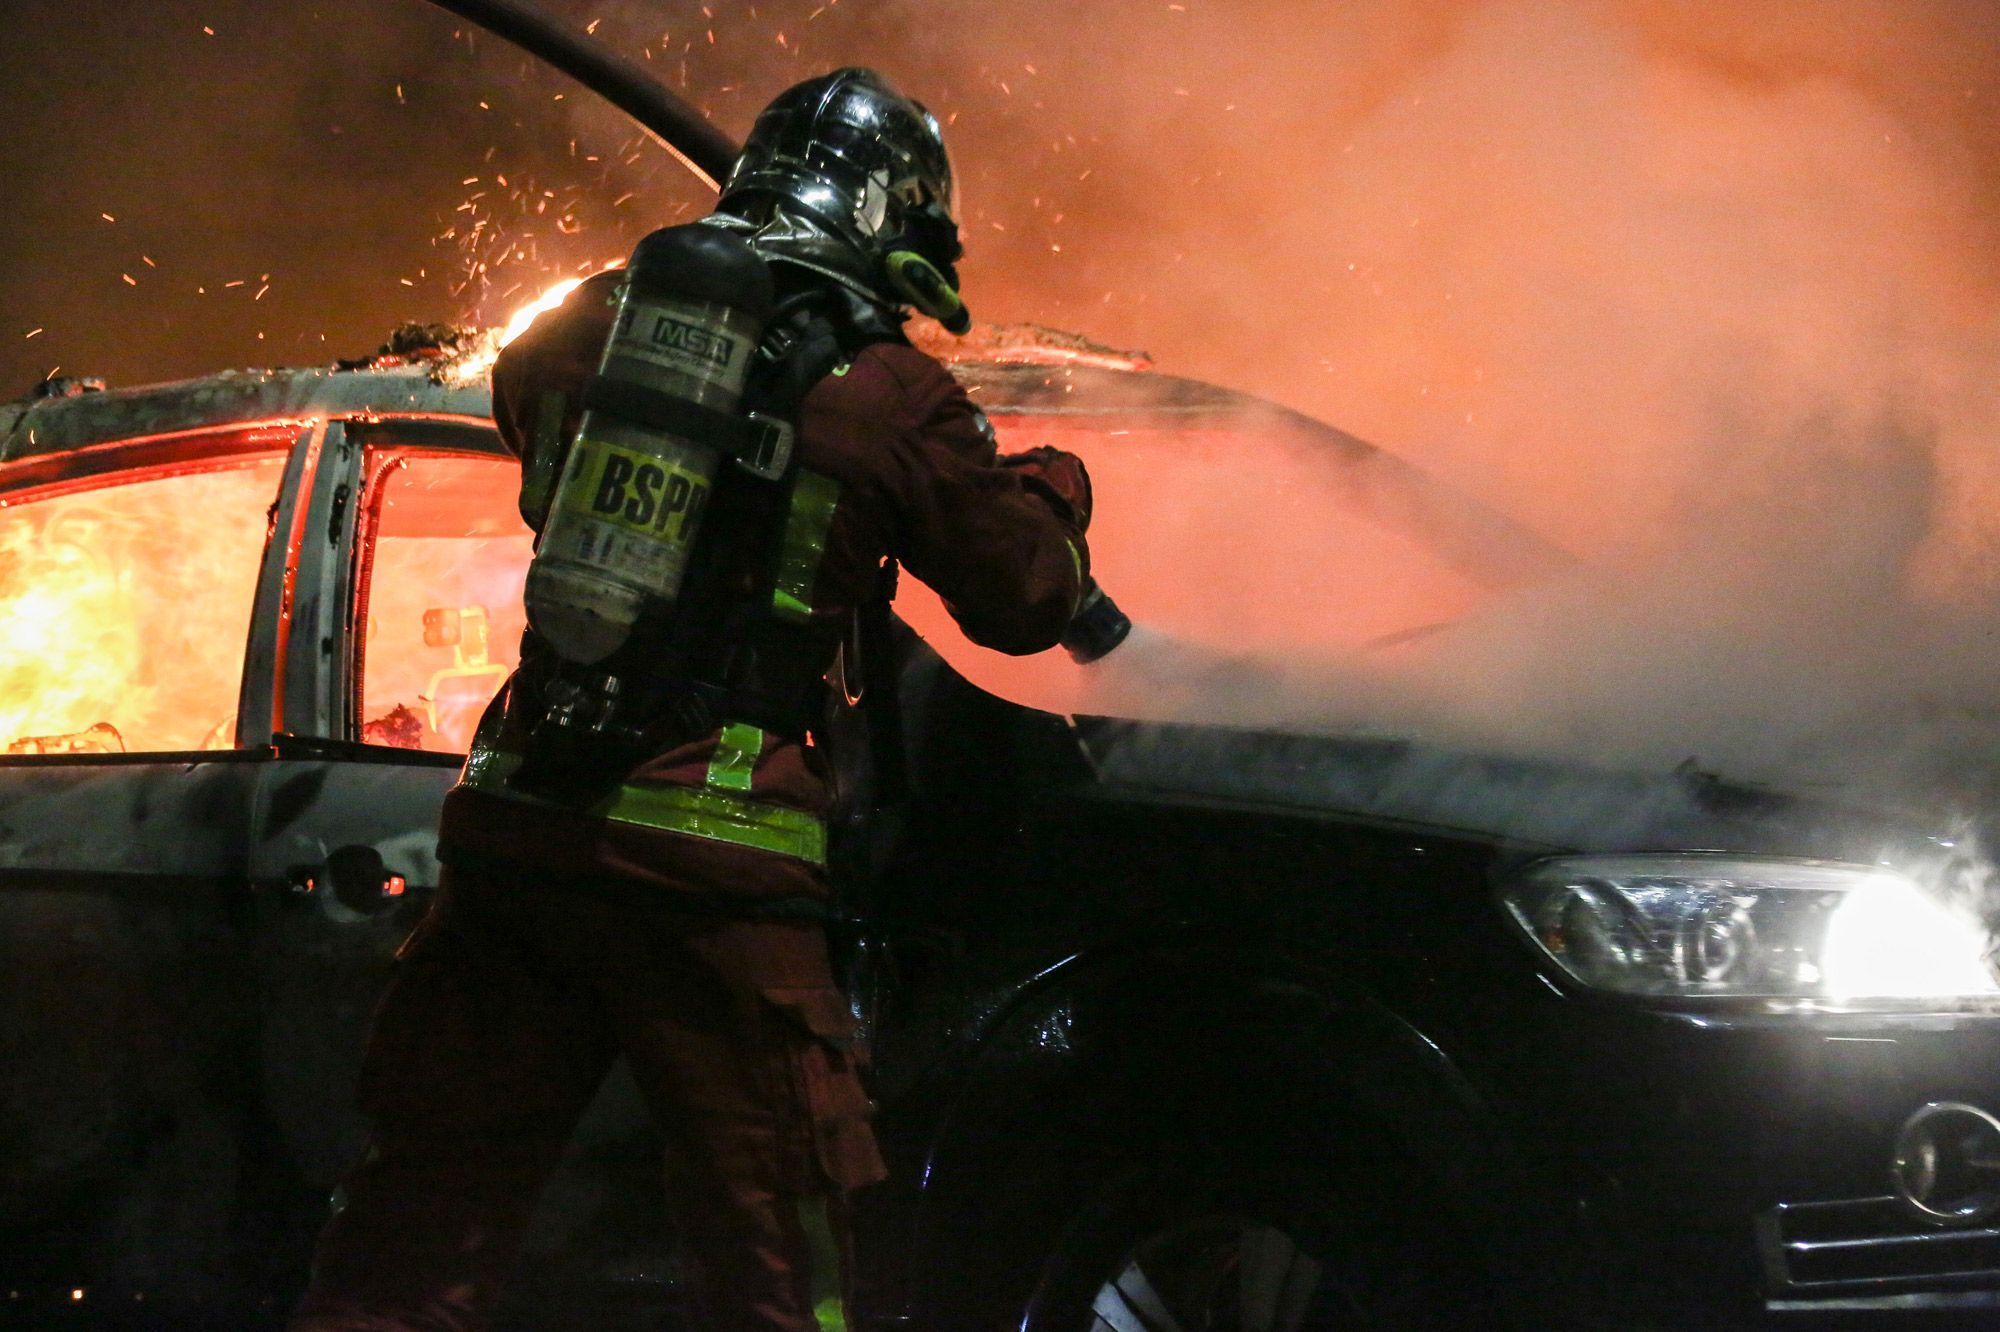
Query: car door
130,571
406,617
401,620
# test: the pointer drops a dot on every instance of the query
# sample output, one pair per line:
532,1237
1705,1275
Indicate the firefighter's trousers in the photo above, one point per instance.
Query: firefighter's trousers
509,1005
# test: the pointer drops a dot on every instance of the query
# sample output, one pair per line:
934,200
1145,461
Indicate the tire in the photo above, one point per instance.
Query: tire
1221,1248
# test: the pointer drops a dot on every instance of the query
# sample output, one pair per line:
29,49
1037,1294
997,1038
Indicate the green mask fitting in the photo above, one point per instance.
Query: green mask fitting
919,282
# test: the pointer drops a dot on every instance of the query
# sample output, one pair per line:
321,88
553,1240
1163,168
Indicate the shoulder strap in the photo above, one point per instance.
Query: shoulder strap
813,333
725,652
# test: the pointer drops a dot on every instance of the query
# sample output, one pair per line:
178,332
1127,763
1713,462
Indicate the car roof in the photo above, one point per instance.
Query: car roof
35,426
1017,370
1023,379
39,426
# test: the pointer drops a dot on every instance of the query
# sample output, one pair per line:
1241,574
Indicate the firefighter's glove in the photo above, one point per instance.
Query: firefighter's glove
1058,477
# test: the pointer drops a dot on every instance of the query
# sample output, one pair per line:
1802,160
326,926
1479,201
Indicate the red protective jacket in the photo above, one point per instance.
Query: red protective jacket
917,481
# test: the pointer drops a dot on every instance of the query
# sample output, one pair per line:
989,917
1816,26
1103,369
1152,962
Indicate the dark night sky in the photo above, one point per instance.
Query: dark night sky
276,154
318,153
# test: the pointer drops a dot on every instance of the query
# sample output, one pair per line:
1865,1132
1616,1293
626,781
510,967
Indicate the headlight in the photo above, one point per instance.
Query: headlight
1680,925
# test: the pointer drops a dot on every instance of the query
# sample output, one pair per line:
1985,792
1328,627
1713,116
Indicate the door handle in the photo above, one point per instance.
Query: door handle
354,876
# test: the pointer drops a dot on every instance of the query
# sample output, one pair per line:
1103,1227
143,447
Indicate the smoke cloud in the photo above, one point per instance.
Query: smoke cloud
1711,307
1708,297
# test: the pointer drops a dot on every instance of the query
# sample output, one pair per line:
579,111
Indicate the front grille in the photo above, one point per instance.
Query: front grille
1868,1247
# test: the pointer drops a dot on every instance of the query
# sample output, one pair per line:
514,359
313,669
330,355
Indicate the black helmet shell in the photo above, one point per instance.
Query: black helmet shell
851,151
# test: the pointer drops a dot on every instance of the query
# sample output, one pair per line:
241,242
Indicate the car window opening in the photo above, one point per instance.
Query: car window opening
125,606
441,562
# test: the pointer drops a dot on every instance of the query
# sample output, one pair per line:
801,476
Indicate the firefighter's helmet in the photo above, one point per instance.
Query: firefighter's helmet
870,165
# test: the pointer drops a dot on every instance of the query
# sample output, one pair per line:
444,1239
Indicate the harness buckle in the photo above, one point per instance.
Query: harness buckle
768,454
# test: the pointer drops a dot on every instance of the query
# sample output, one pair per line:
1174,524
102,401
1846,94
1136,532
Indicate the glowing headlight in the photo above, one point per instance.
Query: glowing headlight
1713,925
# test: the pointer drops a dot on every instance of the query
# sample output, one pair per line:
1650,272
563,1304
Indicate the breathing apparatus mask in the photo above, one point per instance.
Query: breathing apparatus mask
921,265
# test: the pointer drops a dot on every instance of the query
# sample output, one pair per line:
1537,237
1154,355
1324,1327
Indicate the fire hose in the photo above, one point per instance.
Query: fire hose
1099,626
679,127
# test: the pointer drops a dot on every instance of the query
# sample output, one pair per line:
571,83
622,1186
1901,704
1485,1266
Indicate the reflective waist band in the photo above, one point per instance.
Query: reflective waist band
718,815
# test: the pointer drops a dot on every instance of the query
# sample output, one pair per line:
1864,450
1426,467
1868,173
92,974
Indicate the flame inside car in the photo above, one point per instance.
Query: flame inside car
125,607
125,603
447,557
68,642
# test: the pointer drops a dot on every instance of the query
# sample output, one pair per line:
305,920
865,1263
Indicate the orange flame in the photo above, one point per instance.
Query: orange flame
548,300
124,611
67,646
475,365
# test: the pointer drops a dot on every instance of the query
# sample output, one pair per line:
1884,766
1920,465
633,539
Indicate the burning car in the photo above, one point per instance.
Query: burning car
1177,1026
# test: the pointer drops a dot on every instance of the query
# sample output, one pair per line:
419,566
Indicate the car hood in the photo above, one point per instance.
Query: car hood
1529,803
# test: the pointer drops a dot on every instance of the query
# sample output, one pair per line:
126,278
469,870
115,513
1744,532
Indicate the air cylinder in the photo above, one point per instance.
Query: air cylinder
634,489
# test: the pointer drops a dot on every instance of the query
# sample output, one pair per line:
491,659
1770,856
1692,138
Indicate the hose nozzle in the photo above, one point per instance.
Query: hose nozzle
1097,627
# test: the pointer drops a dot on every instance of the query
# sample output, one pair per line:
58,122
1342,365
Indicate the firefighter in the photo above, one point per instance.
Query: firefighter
664,897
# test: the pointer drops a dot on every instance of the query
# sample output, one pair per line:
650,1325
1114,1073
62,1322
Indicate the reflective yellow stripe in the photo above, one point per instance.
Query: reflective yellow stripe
697,812
719,817
1075,558
806,526
735,760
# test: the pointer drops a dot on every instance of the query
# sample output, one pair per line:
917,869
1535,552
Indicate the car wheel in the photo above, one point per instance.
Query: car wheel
1178,1251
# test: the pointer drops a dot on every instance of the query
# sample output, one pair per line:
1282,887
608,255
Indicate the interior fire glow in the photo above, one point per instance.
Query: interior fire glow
124,611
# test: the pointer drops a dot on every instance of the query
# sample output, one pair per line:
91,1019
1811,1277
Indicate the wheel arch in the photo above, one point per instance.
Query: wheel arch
1111,1055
